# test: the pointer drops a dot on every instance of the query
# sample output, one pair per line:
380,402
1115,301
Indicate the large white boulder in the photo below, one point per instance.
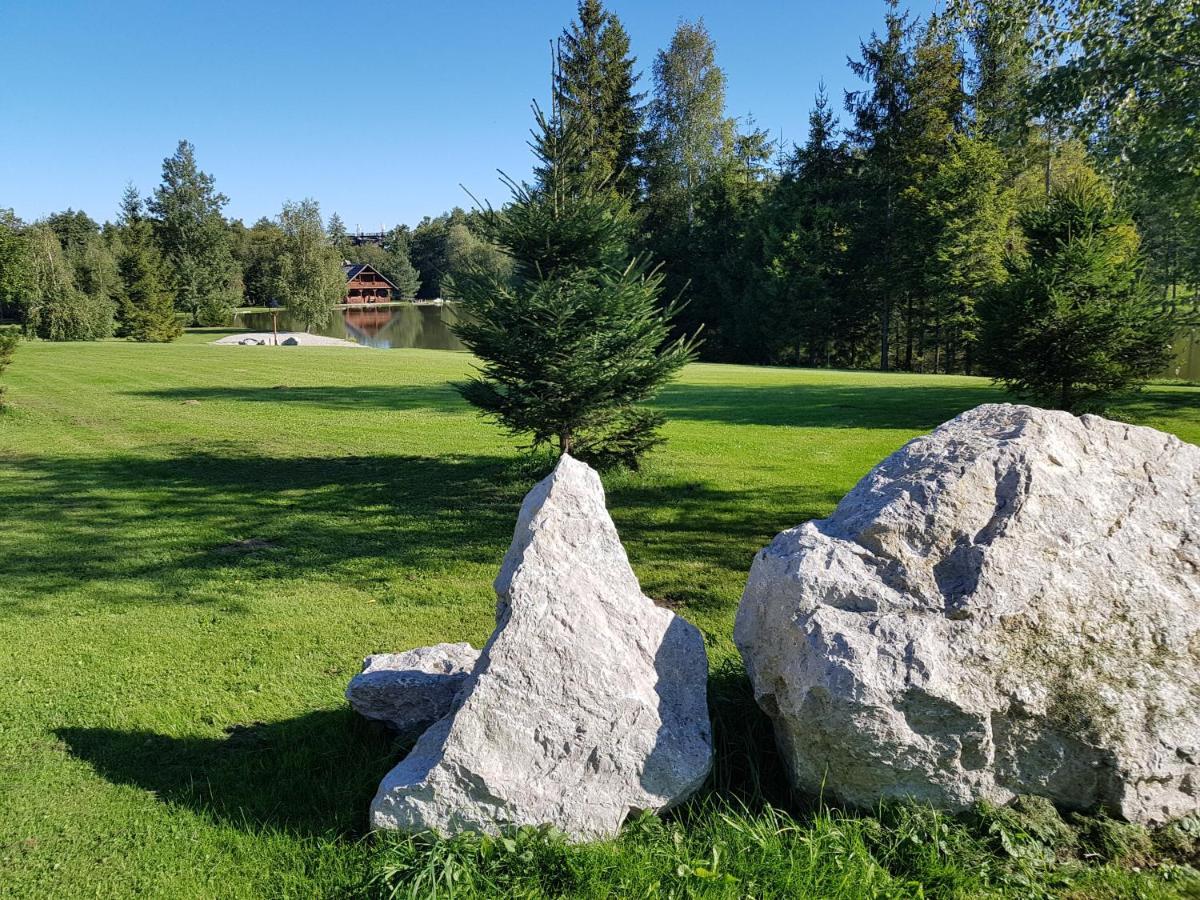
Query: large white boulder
1008,605
588,702
411,690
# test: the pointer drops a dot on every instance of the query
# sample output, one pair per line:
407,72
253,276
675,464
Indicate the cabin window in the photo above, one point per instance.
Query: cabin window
354,292
381,292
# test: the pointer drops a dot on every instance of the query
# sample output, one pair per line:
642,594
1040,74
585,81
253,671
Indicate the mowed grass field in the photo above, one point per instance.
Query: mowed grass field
199,544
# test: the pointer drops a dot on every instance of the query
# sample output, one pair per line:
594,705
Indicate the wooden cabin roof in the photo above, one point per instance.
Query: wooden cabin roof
353,270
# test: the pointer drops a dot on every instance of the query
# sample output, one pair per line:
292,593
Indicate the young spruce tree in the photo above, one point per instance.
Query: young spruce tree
145,308
1074,325
574,339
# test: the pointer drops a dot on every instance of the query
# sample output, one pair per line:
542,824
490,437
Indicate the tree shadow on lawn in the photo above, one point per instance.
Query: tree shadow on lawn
179,527
176,518
436,397
313,775
910,405
713,532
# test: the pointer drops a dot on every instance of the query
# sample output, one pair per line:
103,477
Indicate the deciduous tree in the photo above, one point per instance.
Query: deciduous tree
311,280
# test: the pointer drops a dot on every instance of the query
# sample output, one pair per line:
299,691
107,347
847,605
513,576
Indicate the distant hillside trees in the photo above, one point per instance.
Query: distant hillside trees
258,252
54,307
311,280
14,265
193,236
447,244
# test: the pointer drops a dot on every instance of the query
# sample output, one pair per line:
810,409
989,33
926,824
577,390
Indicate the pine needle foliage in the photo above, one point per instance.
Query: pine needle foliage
1074,326
574,338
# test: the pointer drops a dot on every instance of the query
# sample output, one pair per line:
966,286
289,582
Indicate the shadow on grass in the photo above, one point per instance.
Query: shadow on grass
436,397
908,405
713,531
178,528
313,775
176,519
1176,404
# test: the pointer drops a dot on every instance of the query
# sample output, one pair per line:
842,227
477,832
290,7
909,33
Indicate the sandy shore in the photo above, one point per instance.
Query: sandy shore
302,338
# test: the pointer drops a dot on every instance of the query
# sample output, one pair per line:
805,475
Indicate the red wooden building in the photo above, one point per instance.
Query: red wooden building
364,284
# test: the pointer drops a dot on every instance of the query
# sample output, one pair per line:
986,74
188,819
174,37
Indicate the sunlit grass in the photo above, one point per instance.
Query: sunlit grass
198,545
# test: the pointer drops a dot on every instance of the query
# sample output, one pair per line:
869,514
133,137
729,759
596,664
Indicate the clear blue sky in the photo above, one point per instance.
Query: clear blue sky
379,110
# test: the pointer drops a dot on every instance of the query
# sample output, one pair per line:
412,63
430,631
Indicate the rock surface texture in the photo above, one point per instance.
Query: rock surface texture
588,702
1009,605
412,690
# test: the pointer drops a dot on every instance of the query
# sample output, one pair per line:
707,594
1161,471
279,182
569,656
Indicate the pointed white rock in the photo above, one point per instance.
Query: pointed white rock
587,704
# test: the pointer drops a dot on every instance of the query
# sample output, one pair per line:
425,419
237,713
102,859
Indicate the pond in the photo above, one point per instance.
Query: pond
425,326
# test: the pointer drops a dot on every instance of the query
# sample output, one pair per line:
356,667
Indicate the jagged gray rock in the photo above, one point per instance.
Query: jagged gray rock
588,702
411,690
1009,605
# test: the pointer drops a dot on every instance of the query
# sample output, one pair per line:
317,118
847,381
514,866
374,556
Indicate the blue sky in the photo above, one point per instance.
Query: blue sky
378,110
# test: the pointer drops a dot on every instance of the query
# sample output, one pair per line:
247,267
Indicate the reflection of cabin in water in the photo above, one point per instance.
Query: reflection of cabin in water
364,324
365,284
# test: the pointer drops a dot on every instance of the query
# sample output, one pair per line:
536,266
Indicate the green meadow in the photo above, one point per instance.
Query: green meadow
199,544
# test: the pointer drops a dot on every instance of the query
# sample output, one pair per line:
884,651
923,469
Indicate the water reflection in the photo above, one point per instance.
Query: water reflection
425,327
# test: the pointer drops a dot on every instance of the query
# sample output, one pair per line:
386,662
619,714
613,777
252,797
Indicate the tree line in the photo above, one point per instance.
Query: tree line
1015,190
173,259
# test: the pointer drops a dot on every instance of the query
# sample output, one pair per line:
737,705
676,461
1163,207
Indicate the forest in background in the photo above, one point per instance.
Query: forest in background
879,242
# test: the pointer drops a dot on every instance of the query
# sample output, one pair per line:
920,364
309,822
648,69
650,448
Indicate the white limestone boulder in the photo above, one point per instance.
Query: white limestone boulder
1009,605
411,690
588,702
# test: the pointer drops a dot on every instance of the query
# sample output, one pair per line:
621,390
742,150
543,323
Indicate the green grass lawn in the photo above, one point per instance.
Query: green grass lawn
199,544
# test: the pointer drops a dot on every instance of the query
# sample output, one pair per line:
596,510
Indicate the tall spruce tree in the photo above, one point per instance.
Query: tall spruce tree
594,87
339,237
970,211
574,339
311,280
146,310
194,239
878,117
1074,325
804,314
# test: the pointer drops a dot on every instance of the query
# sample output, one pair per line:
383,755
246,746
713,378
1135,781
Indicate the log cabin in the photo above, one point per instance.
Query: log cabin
365,284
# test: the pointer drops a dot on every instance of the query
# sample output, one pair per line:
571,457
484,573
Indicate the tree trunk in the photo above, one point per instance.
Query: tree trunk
883,335
908,334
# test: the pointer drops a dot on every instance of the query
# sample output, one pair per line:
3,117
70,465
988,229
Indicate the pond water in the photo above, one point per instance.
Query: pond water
426,327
